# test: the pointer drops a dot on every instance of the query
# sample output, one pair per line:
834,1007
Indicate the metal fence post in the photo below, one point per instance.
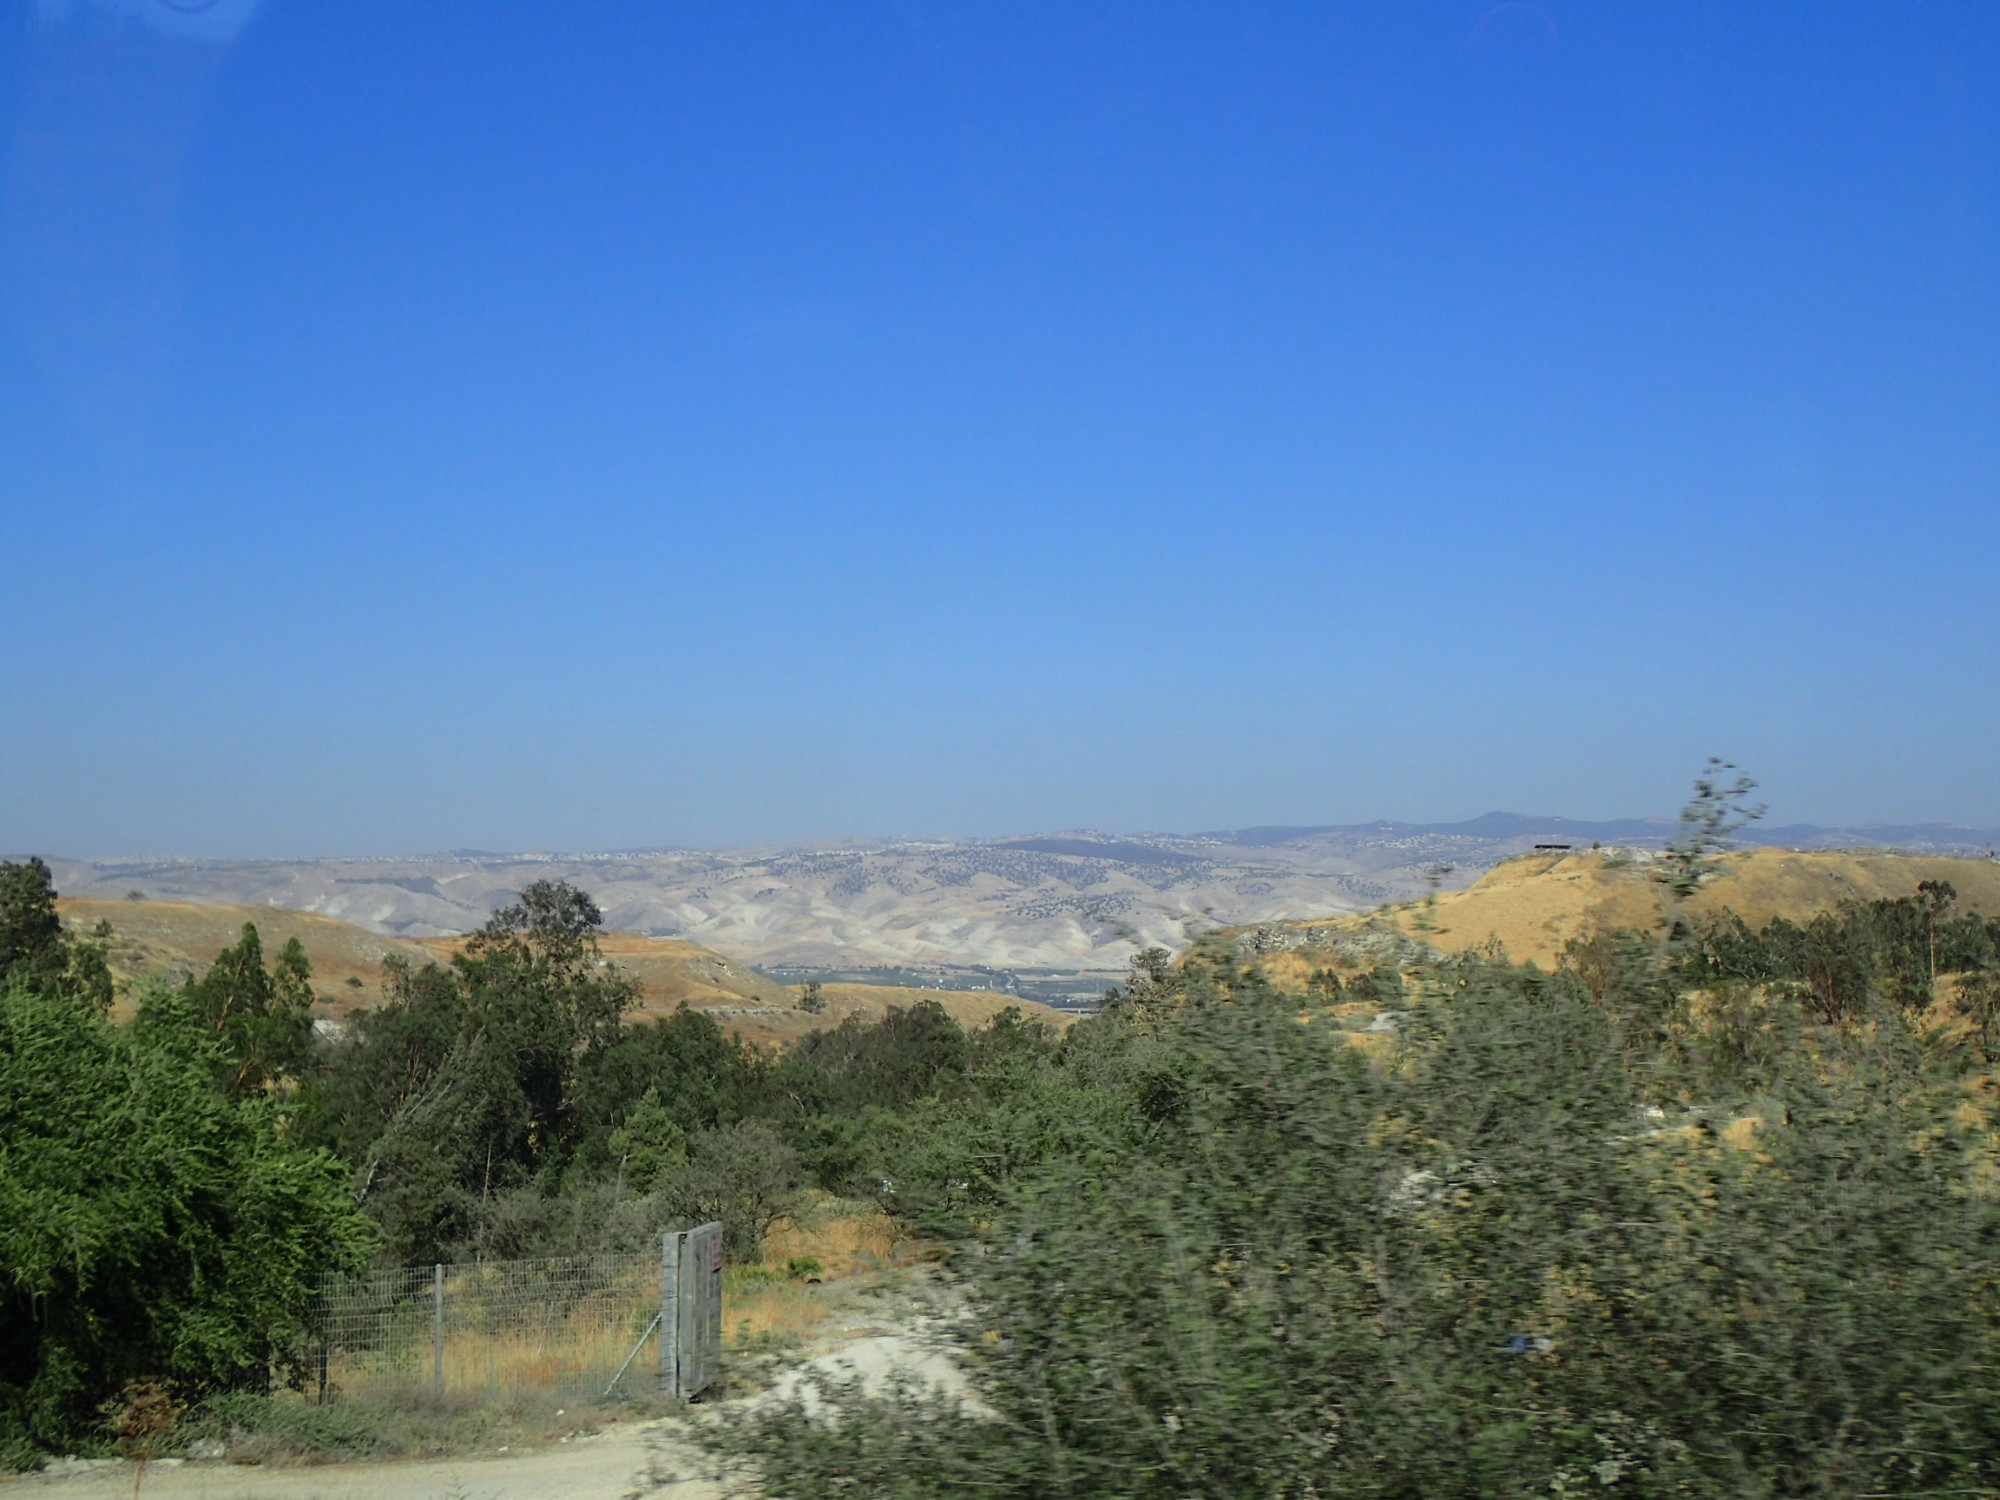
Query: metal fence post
437,1329
670,1317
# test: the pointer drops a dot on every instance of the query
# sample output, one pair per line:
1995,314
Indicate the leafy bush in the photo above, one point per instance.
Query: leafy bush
150,1226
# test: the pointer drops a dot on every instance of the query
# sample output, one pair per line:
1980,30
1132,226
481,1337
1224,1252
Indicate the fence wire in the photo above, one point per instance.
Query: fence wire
493,1326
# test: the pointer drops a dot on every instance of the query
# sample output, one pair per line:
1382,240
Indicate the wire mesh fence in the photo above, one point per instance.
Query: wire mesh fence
571,1323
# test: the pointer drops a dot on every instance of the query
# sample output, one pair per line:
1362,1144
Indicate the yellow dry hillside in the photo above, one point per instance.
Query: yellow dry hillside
175,940
1535,904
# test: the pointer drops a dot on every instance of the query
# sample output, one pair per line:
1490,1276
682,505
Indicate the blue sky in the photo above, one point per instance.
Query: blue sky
551,426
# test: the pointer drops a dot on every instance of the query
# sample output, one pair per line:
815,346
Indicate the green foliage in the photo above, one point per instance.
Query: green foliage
259,1018
746,1176
280,1429
812,1000
650,1144
697,1072
253,1425
468,1081
35,953
1849,964
1224,1254
908,1054
1979,1000
1715,813
32,946
151,1227
1507,1249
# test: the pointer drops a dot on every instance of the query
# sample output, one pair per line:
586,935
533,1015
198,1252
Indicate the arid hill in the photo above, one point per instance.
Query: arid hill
177,939
1534,904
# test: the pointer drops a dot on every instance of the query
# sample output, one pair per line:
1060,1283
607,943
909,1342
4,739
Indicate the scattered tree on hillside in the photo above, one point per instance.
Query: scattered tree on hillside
1151,980
1938,898
1708,822
35,952
261,1019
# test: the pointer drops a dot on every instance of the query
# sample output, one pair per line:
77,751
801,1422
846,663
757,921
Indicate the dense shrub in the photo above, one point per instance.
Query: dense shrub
1269,1263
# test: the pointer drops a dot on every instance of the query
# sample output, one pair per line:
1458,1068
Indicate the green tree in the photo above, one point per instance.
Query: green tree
649,1145
150,1226
1938,898
32,947
1708,822
470,1080
744,1175
35,952
700,1075
261,1018
1979,999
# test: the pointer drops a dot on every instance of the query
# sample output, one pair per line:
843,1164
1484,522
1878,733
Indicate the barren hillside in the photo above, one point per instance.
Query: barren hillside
1056,901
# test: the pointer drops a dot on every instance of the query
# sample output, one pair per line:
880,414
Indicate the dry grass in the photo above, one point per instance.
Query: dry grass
846,1239
781,1301
575,1357
759,1312
178,939
776,1302
1535,904
554,1327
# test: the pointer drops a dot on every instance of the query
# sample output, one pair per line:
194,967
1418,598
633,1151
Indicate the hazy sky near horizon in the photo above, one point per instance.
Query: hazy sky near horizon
537,426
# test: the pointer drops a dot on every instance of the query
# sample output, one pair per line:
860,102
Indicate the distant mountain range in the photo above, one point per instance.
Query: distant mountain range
1075,900
1915,838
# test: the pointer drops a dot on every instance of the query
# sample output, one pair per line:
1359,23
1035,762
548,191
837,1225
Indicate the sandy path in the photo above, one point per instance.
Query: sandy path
616,1464
608,1466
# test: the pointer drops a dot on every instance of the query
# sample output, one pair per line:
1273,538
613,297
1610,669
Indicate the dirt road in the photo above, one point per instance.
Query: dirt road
616,1464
